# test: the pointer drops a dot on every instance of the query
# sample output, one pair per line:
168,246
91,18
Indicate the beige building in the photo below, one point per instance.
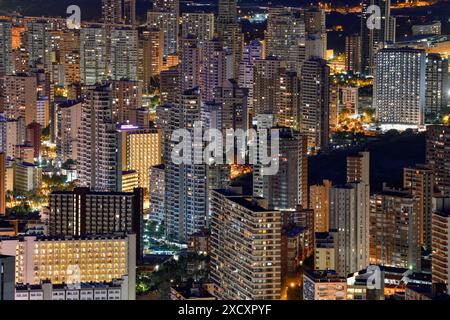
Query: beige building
126,98
139,150
151,44
21,97
245,248
349,207
395,229
420,180
440,230
358,167
129,181
350,99
27,177
324,285
73,259
325,253
319,201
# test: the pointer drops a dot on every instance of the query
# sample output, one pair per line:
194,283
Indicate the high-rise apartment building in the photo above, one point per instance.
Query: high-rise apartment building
129,12
289,186
167,22
156,191
251,52
20,94
139,150
314,103
39,42
199,24
376,31
438,156
319,201
349,215
124,53
245,248
186,183
288,99
334,108
190,63
33,138
353,53
94,258
358,167
170,83
27,177
315,27
112,11
2,183
67,51
440,228
420,181
68,123
229,31
126,99
265,85
84,212
212,68
437,84
151,43
93,54
286,36
233,102
6,49
97,165
399,86
395,229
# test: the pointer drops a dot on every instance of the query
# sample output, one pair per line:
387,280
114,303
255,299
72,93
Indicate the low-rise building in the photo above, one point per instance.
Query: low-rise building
114,290
324,285
192,292
325,251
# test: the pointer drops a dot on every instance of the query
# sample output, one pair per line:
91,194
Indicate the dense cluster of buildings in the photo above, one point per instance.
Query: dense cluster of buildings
101,105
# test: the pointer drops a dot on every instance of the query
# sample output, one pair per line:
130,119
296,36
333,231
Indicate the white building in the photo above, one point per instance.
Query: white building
349,215
167,22
114,290
399,86
73,260
124,53
186,184
97,165
251,52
